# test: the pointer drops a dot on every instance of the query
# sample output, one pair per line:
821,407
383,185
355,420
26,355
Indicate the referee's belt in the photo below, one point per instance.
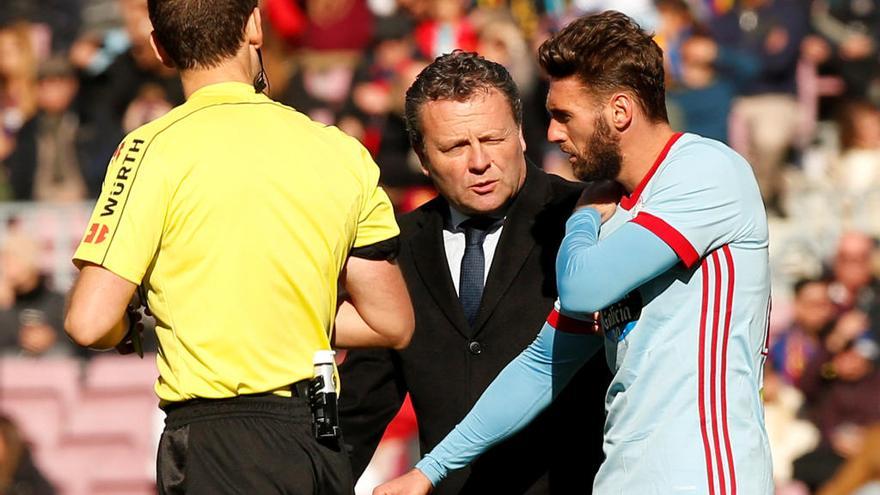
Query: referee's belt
298,390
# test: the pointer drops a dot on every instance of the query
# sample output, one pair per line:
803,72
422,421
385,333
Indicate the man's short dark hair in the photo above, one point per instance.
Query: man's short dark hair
198,33
457,76
609,52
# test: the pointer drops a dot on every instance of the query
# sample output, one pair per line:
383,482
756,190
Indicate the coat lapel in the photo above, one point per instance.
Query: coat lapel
429,258
516,243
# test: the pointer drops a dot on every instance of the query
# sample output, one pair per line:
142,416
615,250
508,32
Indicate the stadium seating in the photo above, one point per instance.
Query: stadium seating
93,428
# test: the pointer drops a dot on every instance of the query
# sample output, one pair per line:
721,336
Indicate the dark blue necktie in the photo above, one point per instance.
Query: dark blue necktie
473,266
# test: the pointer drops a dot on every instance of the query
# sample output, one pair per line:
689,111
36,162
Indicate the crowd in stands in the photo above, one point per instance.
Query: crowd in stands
793,85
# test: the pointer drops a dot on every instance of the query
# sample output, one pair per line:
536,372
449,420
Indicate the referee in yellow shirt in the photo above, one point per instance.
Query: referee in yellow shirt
238,216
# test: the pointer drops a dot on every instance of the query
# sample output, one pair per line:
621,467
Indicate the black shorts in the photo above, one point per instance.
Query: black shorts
248,445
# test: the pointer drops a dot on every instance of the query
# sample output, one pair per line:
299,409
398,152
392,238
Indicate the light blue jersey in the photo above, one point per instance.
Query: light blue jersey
684,408
682,278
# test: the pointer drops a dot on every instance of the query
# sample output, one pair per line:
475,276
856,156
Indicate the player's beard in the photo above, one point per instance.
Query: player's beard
601,159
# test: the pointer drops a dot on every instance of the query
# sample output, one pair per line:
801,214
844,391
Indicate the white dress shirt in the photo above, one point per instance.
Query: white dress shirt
453,242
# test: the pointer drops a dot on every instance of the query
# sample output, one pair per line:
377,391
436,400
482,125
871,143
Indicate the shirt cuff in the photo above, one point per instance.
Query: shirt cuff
432,469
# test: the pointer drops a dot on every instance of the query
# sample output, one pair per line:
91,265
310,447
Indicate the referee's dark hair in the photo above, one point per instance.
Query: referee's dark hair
609,52
457,76
199,34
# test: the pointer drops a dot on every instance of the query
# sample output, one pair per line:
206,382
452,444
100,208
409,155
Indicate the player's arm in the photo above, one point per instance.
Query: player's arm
524,388
592,274
96,315
692,211
380,313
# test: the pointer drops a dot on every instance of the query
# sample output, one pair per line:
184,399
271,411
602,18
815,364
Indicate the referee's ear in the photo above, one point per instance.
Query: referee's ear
160,52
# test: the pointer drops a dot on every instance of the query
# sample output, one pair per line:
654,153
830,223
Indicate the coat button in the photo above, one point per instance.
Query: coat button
475,347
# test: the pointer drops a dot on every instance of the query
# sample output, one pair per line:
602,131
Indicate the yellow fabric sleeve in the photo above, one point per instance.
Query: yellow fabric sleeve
376,221
126,226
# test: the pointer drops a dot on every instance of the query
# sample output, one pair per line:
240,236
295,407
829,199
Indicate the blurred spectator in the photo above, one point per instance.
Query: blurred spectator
320,86
372,96
45,165
705,77
841,385
525,14
790,437
93,53
851,32
18,473
321,25
445,29
767,112
58,20
676,24
31,314
854,172
286,18
133,90
860,469
853,284
500,40
813,311
374,112
336,25
18,89
642,11
858,168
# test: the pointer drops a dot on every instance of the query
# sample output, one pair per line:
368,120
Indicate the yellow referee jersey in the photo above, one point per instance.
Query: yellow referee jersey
236,214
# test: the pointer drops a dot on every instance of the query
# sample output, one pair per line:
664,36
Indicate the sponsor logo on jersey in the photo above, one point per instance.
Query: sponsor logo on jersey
619,318
123,177
96,234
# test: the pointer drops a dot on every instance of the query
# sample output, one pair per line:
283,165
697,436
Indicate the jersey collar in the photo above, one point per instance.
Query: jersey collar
627,202
229,88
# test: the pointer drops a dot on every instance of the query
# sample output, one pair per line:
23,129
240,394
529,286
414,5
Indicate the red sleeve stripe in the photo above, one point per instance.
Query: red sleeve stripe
670,236
567,324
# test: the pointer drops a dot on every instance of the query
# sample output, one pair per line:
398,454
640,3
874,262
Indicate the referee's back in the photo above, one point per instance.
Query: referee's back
236,214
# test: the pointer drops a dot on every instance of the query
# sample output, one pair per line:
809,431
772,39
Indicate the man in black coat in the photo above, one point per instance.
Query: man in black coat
479,264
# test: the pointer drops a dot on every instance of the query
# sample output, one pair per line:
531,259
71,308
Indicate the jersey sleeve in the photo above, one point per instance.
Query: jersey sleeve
376,221
695,206
126,225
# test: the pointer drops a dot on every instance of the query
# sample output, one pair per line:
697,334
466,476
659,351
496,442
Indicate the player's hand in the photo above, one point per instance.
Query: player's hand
411,483
603,196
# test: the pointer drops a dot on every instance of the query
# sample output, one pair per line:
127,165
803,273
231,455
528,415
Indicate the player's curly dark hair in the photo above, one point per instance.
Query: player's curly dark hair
199,33
609,52
457,76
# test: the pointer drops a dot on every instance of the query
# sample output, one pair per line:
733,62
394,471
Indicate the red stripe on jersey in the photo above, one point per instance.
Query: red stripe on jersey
701,375
627,202
713,367
570,325
730,280
670,236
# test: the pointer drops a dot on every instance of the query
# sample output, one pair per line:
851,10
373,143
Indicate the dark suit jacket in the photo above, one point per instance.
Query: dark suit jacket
447,365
